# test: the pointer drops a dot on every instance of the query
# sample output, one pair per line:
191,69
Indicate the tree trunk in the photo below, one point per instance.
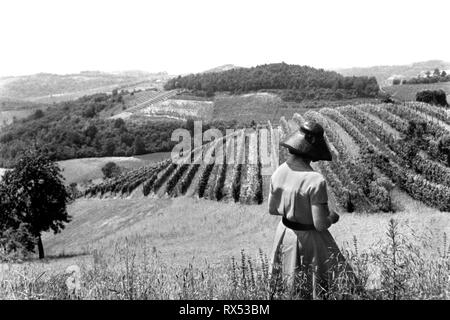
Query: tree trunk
40,248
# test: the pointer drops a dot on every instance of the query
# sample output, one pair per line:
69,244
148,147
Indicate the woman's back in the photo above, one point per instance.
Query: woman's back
294,188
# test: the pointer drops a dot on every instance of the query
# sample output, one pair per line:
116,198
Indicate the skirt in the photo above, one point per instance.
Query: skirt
307,262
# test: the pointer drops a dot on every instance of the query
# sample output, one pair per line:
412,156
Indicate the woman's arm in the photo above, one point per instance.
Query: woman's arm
273,202
321,216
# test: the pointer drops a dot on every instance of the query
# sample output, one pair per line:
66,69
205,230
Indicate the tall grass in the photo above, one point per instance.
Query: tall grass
400,266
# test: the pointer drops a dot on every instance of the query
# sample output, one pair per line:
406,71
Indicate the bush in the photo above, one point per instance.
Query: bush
16,243
111,169
437,97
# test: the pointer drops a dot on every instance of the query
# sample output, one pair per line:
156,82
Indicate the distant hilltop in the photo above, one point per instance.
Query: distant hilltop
224,67
384,73
48,87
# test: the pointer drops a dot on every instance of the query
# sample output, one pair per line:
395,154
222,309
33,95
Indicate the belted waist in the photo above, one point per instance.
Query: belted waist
296,225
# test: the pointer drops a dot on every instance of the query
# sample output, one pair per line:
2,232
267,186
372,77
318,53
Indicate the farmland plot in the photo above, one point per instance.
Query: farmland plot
180,109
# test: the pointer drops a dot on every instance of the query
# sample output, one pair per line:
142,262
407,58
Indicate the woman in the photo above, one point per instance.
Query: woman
304,254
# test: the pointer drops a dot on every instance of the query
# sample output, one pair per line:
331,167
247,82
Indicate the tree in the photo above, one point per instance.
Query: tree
139,146
109,147
37,196
436,72
437,97
38,114
110,169
119,123
91,131
443,74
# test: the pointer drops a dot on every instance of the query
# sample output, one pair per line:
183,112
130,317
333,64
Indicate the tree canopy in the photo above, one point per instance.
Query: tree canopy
276,76
33,198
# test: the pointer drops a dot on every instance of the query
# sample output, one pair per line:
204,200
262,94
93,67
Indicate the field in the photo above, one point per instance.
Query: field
408,92
83,170
244,108
171,226
53,88
183,248
136,103
11,109
180,109
174,228
7,117
86,170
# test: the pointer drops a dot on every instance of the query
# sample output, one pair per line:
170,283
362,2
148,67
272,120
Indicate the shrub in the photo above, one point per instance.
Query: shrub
110,170
437,97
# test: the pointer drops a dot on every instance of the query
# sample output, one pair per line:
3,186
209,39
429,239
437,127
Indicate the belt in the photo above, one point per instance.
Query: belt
297,226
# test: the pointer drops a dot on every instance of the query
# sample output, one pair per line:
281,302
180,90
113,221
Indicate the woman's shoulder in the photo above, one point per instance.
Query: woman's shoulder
314,177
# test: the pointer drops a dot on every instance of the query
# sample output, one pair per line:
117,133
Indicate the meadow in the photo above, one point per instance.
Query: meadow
187,248
90,169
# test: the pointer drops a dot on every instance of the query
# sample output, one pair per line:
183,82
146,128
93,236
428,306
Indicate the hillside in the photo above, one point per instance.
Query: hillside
49,88
89,170
382,73
84,170
213,231
16,109
83,129
407,92
222,68
373,153
161,224
300,82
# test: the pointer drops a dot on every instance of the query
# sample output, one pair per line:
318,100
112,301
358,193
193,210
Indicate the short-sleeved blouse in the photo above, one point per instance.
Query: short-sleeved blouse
294,187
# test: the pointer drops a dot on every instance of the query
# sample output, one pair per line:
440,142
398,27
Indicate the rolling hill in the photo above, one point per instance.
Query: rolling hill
16,109
407,92
49,88
382,73
87,170
372,152
222,68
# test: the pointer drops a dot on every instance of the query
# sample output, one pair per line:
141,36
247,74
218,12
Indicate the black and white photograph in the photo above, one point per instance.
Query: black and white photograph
244,152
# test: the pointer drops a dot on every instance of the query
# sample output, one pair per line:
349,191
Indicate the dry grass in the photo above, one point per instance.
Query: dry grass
185,227
393,268
147,248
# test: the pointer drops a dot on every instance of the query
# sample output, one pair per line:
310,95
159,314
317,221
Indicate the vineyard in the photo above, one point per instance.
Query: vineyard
376,148
165,104
142,100
180,109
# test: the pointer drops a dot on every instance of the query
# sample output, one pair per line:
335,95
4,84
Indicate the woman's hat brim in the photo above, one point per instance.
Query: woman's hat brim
298,145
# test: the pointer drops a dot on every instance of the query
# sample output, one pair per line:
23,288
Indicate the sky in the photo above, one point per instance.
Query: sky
68,36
